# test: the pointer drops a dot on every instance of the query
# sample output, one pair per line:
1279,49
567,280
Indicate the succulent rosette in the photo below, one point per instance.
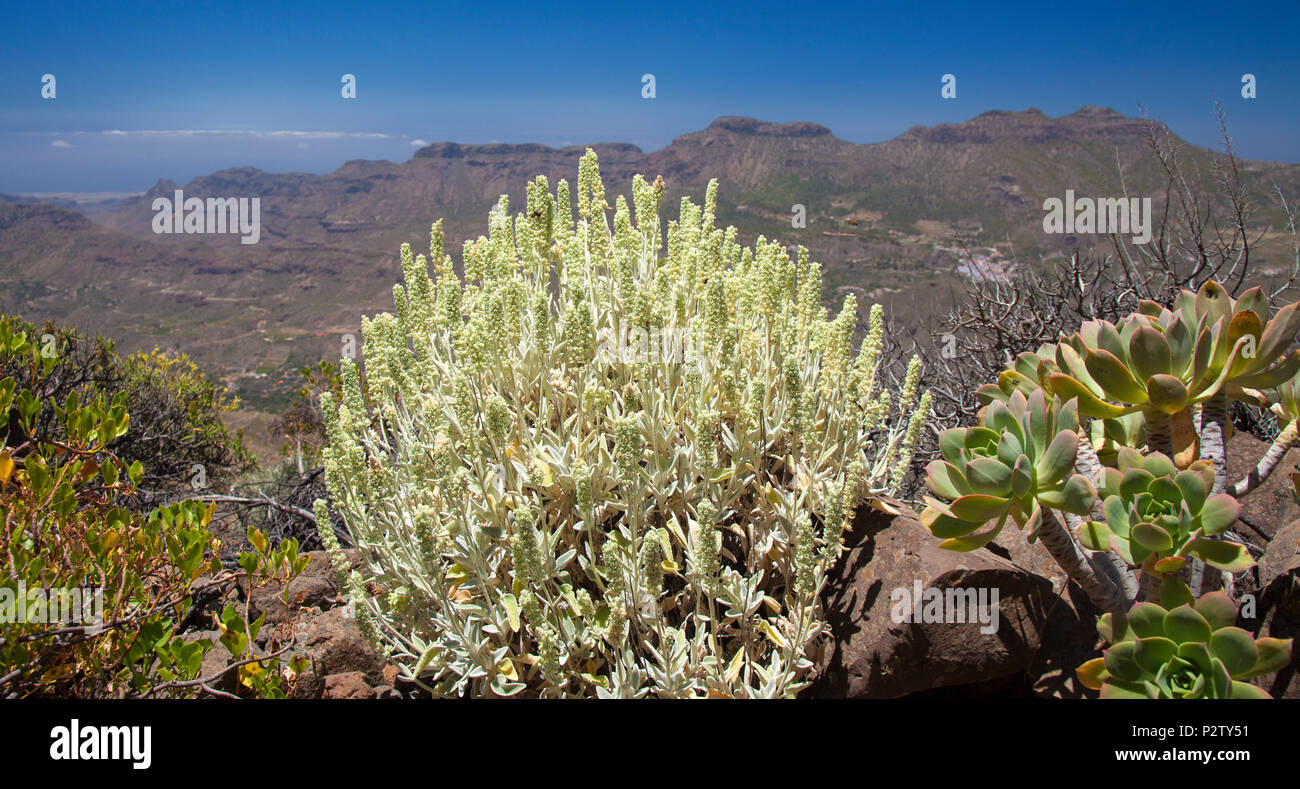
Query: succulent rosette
1181,648
1167,359
1159,362
1018,459
1157,516
1241,324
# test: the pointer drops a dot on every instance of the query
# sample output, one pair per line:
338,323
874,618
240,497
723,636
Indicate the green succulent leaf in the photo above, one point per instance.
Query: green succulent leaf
1149,353
1059,458
989,476
1076,496
943,479
1065,387
1121,662
952,445
1120,689
1022,477
1170,564
976,540
1115,628
1167,393
1193,489
1184,625
1113,375
1274,655
1094,535
1218,513
1092,674
945,527
1280,333
1147,620
1229,556
1218,609
1245,690
978,507
1235,648
1174,592
1152,537
1152,653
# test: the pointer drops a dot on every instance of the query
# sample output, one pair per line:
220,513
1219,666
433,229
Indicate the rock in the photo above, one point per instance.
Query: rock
305,591
1277,611
386,692
1272,504
315,587
335,646
891,560
1280,563
348,685
1070,639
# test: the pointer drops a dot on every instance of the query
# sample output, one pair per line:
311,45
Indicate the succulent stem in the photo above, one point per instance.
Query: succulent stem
1101,590
1160,437
1214,420
1089,464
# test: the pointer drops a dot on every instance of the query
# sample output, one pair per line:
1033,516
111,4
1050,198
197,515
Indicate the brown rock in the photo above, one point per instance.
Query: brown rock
1070,638
349,685
888,559
336,646
316,587
1278,606
1280,563
1272,504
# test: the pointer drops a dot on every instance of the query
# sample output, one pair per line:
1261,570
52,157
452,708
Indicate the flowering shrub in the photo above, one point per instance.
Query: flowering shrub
596,466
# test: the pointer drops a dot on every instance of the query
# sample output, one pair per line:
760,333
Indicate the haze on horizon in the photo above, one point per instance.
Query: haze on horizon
145,94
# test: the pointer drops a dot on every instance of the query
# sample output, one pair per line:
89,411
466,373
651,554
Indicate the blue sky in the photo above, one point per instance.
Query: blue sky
571,73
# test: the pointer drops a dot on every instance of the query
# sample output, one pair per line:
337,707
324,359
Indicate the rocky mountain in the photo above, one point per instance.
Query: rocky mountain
879,217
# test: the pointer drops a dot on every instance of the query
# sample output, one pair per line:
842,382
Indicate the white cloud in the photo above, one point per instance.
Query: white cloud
418,143
285,134
61,144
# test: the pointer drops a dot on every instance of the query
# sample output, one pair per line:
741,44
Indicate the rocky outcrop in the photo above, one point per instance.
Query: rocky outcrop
1277,609
907,616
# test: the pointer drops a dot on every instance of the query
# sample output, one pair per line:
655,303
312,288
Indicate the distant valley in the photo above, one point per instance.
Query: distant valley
887,220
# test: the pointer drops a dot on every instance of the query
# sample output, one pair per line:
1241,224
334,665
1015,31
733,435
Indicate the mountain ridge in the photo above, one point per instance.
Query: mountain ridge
880,217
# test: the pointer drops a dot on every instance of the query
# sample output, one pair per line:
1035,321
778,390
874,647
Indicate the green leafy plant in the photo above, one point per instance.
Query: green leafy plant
611,460
1181,648
94,594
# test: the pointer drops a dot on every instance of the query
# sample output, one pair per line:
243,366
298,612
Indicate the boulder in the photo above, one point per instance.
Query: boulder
1277,611
1280,565
1273,503
907,616
334,645
348,685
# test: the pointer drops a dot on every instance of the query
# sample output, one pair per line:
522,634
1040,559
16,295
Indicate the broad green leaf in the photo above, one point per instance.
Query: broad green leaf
1183,625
